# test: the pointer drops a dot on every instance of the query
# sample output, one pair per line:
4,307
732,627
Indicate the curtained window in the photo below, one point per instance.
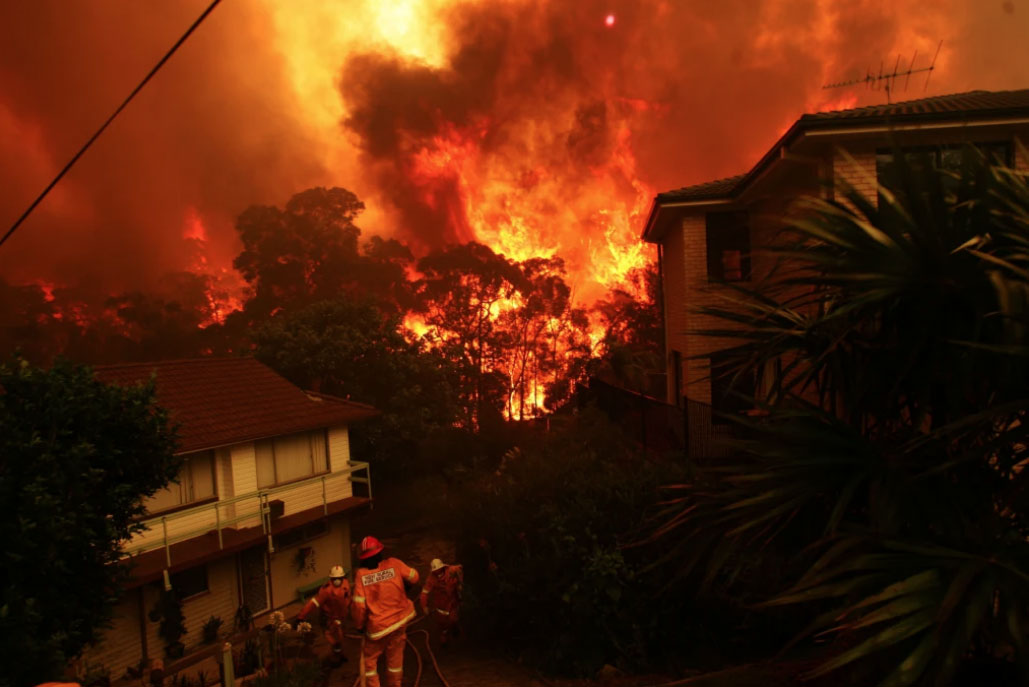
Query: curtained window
288,458
195,483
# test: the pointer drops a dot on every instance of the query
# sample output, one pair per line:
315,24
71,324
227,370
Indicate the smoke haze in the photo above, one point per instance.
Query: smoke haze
531,126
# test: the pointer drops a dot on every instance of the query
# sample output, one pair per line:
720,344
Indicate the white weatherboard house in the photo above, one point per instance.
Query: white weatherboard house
261,510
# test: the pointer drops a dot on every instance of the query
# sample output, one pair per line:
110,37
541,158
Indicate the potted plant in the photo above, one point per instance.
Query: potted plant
211,628
168,612
303,560
244,618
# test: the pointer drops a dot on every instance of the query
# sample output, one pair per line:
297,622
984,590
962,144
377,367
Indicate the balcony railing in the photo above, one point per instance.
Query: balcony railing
228,513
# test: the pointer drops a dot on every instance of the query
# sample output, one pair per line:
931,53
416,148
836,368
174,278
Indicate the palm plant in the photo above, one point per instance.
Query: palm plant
889,463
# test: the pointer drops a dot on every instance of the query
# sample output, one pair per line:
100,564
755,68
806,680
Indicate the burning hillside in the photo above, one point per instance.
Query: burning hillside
516,137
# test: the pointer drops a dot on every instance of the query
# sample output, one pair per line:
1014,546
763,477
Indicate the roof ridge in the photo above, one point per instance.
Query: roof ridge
903,103
153,363
337,399
977,91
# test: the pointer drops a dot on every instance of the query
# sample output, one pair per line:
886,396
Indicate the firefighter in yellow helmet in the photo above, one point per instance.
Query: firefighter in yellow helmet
441,597
334,598
382,610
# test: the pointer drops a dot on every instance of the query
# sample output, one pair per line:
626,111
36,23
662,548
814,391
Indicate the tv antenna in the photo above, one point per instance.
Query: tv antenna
888,80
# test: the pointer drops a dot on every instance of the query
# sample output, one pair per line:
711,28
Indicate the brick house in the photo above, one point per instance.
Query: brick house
705,233
261,510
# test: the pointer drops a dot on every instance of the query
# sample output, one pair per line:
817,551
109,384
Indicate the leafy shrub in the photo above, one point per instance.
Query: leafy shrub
300,674
168,612
543,541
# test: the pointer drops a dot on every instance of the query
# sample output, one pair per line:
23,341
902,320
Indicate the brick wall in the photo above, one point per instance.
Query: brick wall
699,293
673,270
1022,153
856,165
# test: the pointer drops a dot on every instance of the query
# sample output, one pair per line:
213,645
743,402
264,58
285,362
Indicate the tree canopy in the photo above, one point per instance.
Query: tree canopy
77,458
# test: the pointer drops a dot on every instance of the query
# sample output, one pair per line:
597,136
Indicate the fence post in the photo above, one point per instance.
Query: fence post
228,676
218,525
167,549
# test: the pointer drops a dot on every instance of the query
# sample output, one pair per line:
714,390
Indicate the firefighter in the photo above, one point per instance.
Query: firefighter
382,610
334,598
441,596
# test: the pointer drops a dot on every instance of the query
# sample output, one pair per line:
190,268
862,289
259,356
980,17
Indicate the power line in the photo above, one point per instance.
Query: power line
110,119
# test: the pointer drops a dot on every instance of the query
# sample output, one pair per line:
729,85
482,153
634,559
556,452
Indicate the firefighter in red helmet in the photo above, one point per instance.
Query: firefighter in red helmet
334,598
441,597
382,610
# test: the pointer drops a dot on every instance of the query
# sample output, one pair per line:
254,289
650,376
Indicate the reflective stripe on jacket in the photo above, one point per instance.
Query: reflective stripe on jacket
380,602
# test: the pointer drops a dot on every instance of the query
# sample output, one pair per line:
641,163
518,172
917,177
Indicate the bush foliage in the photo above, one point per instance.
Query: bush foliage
543,538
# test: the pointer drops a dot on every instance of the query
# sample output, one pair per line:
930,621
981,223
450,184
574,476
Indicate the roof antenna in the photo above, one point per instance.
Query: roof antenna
888,81
932,66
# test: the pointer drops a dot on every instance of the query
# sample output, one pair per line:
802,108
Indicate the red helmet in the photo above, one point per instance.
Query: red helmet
370,546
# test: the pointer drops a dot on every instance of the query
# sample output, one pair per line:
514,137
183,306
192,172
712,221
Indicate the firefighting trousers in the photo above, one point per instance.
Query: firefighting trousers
334,635
393,646
444,621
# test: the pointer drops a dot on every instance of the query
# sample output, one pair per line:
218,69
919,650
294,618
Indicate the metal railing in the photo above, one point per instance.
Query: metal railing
261,510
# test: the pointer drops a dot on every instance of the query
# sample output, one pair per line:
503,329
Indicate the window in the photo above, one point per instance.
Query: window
289,458
947,158
728,246
730,393
190,582
195,483
300,534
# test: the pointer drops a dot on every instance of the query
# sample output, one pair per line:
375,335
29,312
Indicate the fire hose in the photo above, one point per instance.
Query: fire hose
418,657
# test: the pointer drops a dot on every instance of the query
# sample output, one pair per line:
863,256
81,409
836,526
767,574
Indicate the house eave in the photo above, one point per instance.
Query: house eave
654,232
818,130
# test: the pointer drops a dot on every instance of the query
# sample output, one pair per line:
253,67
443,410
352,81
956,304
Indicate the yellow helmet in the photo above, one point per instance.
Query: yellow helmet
336,571
436,564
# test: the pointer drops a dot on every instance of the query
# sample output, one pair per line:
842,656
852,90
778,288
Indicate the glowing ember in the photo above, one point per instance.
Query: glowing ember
609,20
47,288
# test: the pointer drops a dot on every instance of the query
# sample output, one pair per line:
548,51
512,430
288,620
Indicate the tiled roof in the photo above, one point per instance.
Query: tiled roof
220,401
978,102
719,188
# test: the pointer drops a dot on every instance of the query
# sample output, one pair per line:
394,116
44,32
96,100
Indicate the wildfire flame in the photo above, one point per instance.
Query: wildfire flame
224,287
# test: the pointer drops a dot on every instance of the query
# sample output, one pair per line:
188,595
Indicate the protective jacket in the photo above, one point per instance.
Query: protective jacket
334,600
380,603
442,590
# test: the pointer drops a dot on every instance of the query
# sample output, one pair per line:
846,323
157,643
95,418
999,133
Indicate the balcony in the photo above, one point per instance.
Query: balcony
196,535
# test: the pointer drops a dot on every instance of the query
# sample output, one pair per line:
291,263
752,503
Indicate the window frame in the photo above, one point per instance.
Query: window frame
306,534
177,585
718,224
187,466
885,156
275,468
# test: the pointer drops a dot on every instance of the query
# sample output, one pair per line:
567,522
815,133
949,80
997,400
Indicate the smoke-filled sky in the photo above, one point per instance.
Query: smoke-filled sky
536,127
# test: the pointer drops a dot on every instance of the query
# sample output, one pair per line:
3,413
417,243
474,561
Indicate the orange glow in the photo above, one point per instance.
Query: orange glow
224,291
609,20
48,290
